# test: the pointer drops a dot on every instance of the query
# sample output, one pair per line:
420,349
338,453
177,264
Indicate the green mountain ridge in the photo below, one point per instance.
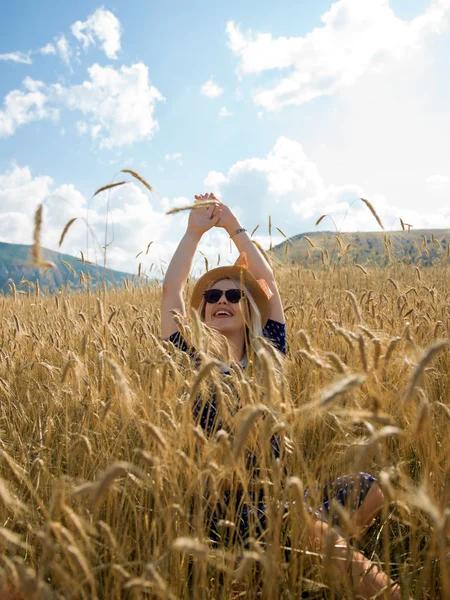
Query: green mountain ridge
16,266
422,247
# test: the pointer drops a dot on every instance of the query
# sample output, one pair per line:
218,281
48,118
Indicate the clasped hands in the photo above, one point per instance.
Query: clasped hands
216,215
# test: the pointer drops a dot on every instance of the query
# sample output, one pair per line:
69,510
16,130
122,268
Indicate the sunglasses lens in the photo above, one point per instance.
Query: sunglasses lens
212,296
233,296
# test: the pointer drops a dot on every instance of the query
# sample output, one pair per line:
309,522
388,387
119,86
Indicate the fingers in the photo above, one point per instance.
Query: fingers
207,196
210,210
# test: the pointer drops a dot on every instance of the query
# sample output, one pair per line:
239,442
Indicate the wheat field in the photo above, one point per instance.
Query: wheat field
107,484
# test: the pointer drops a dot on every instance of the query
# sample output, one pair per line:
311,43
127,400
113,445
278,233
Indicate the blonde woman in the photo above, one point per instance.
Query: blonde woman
239,304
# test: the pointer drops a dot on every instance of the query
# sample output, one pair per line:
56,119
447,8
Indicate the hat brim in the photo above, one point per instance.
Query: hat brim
239,274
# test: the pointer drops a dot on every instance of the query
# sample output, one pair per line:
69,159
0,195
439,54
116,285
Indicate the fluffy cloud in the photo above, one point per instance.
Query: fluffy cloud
17,57
103,26
47,49
355,37
211,89
22,107
287,185
63,49
117,105
134,219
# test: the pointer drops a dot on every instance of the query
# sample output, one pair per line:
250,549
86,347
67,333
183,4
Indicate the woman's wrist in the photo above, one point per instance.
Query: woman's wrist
232,227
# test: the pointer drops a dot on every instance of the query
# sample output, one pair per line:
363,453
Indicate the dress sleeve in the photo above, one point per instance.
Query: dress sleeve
178,341
276,333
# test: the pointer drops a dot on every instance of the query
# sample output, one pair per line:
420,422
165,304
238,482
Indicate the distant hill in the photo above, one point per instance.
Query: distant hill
15,265
421,247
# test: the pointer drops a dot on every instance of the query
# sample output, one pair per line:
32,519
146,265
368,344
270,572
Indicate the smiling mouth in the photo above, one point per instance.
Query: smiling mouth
222,314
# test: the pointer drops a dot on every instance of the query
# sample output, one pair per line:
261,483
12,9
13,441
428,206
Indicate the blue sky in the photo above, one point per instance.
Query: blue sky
293,109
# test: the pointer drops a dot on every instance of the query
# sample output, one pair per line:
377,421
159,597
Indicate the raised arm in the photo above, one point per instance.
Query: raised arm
200,221
257,264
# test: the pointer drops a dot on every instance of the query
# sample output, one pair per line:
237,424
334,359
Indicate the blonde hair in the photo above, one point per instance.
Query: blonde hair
260,352
251,314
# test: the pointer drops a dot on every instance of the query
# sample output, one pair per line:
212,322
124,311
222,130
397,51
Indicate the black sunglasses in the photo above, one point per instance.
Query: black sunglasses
214,295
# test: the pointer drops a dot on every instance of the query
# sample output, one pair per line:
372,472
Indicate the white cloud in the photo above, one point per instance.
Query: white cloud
103,26
118,104
21,107
130,206
17,57
214,180
438,180
63,49
224,112
48,49
287,185
355,38
175,157
211,89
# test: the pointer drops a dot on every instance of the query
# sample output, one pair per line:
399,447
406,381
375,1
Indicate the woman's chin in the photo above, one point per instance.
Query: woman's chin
222,325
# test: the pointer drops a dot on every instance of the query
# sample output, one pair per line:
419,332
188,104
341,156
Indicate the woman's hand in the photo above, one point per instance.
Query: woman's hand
228,220
204,218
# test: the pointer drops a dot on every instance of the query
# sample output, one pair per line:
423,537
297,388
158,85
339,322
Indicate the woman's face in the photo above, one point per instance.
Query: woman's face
223,315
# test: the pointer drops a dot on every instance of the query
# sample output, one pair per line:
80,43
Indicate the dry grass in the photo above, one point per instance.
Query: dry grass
107,485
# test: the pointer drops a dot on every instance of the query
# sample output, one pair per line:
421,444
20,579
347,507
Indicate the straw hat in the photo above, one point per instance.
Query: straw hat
239,271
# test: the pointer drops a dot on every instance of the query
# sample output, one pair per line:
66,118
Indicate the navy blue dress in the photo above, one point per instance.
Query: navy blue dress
349,490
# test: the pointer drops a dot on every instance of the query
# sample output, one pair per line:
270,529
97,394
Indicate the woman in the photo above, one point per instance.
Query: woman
240,303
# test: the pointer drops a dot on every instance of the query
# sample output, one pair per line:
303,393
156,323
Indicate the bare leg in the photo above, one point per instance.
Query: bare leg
349,567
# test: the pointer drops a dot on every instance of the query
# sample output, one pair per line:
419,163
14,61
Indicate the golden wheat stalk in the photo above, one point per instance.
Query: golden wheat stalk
191,546
66,229
248,419
121,382
337,362
71,269
36,250
427,357
354,303
156,433
139,178
373,211
109,186
361,268
196,206
375,439
343,386
99,489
